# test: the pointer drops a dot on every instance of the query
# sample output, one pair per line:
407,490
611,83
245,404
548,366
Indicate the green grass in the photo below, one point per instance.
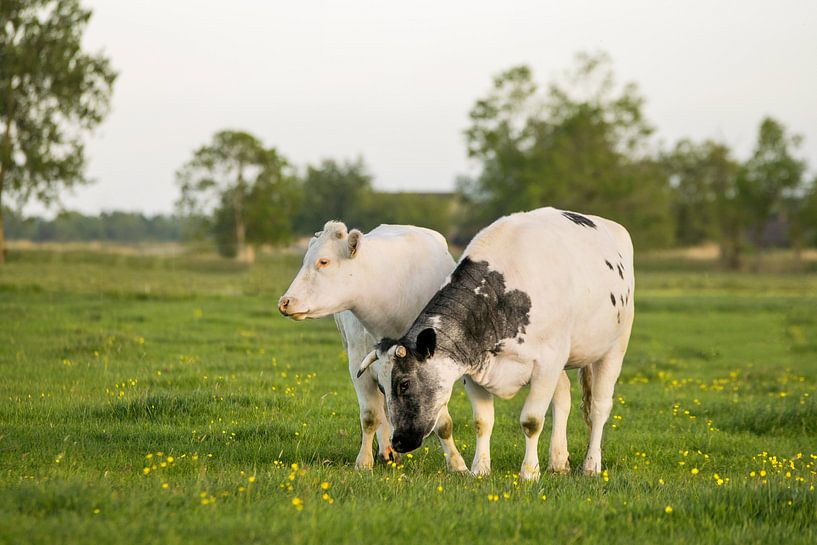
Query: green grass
107,360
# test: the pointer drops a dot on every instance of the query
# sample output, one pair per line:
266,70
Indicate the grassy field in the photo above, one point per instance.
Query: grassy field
162,400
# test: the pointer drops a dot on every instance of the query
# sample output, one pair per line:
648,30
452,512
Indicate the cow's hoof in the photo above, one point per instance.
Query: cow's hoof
560,469
481,469
362,464
388,455
456,464
591,467
528,473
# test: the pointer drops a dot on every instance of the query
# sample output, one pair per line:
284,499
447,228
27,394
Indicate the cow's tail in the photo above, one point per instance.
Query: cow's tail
586,378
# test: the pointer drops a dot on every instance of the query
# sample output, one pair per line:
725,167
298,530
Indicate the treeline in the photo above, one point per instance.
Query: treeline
368,209
121,227
580,143
583,143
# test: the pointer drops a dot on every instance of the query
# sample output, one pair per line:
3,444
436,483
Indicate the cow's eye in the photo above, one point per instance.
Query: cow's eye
322,262
403,387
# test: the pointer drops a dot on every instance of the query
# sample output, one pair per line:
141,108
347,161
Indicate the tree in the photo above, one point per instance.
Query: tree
705,198
769,175
580,145
51,93
335,190
802,212
245,188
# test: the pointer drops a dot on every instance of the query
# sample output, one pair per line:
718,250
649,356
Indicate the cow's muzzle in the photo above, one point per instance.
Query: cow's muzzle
283,305
287,307
407,442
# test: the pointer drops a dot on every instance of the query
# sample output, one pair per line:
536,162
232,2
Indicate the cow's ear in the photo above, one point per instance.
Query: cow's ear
427,343
354,242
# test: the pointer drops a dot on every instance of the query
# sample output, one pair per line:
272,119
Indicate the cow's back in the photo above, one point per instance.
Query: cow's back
577,270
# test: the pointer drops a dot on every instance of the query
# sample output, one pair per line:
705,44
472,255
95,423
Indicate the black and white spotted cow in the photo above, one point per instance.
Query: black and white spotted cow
535,293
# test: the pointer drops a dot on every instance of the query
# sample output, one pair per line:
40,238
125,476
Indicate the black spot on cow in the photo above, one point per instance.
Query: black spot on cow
578,219
613,299
520,340
618,316
471,315
609,265
621,298
620,271
444,431
532,426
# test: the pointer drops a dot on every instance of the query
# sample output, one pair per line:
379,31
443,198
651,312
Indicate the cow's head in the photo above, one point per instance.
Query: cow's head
417,384
325,284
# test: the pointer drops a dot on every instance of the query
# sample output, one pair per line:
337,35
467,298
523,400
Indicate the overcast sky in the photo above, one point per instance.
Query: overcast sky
393,82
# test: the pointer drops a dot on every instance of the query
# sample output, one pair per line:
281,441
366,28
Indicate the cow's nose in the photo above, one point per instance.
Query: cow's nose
404,443
283,304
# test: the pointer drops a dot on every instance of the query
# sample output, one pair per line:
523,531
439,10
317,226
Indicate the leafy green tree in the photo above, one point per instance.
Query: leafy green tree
222,226
770,174
802,212
335,190
705,199
51,93
244,187
581,144
273,202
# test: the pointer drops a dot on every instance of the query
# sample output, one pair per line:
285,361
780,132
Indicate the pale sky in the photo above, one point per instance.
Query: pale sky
394,81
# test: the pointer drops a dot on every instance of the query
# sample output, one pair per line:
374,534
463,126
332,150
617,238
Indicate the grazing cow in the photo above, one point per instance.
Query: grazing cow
534,293
374,284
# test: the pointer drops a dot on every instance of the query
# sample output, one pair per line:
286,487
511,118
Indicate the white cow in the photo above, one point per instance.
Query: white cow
534,293
374,284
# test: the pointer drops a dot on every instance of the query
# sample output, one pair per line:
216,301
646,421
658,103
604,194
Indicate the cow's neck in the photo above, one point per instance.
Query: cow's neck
474,316
384,308
376,322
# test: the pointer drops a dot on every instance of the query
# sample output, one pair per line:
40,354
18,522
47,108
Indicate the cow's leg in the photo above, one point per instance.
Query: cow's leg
384,451
355,340
543,384
372,416
560,407
444,431
604,375
482,404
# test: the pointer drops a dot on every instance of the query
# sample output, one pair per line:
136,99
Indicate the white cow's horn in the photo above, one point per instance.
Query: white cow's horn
367,361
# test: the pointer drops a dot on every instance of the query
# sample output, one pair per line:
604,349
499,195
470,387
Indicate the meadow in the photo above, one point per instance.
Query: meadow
163,400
